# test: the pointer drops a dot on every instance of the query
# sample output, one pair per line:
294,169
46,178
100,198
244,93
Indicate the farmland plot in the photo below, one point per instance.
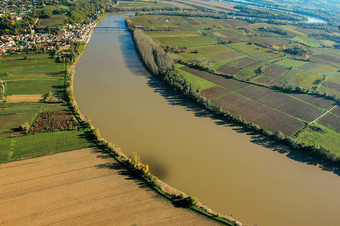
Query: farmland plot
214,92
272,74
331,121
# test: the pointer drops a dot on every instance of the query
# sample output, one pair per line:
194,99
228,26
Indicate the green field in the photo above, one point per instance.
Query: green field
328,139
197,82
306,80
41,144
291,63
25,87
34,64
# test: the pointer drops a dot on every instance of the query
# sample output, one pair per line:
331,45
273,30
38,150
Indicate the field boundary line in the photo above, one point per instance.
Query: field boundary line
323,114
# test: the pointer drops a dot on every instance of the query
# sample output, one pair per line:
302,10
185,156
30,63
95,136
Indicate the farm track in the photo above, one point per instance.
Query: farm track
323,114
80,188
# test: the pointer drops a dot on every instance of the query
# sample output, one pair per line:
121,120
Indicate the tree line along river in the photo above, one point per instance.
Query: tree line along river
232,171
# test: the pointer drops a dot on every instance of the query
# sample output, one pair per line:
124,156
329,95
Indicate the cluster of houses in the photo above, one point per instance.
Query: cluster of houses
15,9
45,41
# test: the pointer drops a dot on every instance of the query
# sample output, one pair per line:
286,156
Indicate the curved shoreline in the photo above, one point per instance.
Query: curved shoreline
165,191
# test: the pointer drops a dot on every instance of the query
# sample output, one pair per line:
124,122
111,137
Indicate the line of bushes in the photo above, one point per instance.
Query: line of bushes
171,77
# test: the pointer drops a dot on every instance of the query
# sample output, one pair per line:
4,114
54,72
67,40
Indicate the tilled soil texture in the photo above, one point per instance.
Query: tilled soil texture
81,188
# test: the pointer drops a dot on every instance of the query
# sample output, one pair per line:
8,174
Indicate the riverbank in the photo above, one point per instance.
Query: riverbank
164,190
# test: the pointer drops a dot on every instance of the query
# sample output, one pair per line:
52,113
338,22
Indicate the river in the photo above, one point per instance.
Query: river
227,168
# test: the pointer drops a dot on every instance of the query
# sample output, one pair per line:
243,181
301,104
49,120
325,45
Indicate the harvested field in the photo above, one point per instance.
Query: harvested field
186,41
259,114
336,110
300,110
282,102
214,92
81,188
328,58
275,121
229,69
331,85
242,106
317,101
24,98
272,74
331,121
227,83
243,62
266,96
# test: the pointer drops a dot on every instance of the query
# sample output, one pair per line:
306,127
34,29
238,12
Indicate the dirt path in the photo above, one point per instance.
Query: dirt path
24,98
81,188
323,114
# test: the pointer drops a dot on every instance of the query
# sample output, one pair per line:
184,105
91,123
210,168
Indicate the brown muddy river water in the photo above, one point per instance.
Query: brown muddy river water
228,169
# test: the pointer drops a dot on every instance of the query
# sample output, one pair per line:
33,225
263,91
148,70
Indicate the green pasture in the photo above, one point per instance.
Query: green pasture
328,139
291,63
306,80
10,122
19,108
33,69
41,144
197,82
307,41
25,87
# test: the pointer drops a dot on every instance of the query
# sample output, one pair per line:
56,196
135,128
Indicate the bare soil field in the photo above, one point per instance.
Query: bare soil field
331,121
229,70
300,110
266,96
24,98
214,92
282,102
239,105
272,74
331,85
328,58
317,101
84,187
276,121
259,114
336,110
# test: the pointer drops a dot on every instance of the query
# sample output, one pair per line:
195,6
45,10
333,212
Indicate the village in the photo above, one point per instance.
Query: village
44,41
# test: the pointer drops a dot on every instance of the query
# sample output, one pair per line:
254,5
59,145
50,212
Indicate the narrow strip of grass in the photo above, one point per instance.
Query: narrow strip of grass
197,82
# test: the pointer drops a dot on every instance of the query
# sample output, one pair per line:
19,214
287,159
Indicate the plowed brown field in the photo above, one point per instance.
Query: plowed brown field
81,188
